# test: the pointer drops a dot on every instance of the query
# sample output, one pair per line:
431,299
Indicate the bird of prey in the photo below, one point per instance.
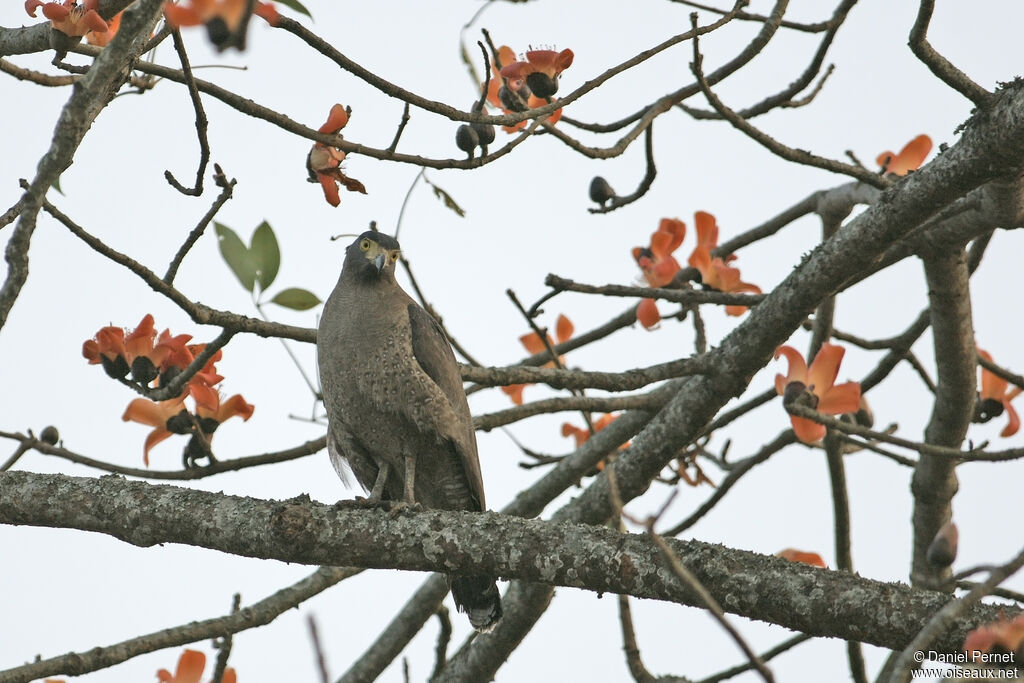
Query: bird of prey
396,409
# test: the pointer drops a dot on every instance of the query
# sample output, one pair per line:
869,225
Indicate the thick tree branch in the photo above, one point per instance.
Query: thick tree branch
815,601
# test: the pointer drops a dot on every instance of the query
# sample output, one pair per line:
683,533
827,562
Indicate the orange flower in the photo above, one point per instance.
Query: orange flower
714,272
995,399
139,351
534,344
815,387
540,71
794,555
1005,635
102,39
166,418
324,163
190,670
647,314
656,261
658,265
512,94
223,18
910,157
70,18
581,434
224,410
172,417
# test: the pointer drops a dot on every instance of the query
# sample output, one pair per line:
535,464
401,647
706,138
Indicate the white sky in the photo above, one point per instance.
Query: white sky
526,217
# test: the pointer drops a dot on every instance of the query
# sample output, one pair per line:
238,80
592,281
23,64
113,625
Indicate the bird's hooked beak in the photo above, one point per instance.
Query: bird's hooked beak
380,260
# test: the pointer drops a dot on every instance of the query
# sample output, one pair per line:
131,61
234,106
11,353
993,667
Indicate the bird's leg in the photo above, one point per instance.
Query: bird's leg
378,486
410,479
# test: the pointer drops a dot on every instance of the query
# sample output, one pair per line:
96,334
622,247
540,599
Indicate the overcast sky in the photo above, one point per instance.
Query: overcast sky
525,217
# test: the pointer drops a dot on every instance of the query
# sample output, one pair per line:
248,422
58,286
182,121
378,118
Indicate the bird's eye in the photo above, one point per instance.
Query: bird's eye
365,245
394,256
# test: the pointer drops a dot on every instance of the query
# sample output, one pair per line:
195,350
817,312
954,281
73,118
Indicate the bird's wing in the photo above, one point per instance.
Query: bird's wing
434,354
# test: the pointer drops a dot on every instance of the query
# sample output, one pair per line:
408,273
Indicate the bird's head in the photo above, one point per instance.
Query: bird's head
372,256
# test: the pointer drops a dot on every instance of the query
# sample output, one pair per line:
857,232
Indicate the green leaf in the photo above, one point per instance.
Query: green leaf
265,255
297,6
296,299
446,198
236,255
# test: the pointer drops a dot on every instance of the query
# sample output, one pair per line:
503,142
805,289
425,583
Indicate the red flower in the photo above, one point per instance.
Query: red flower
910,157
534,344
995,398
221,411
714,272
324,163
139,352
581,434
102,39
656,261
222,18
816,387
1005,635
70,18
647,313
658,265
540,71
794,555
512,94
166,418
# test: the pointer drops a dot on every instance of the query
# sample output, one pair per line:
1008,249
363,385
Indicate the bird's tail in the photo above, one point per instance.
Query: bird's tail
478,597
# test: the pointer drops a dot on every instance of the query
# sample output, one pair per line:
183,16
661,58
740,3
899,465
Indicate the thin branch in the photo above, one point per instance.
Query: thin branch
401,129
939,65
681,296
788,153
604,404
198,472
201,122
645,182
257,614
768,655
227,188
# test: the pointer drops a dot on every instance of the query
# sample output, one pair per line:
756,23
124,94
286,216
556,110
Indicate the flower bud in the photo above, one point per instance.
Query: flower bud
467,139
600,190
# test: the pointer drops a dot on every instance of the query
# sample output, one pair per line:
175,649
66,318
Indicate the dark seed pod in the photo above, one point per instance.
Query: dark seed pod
208,425
180,423
600,190
49,435
542,85
143,370
985,410
514,100
467,139
117,368
942,550
484,133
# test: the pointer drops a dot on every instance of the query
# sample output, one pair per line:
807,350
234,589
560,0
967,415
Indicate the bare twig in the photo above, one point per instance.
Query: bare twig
939,65
201,122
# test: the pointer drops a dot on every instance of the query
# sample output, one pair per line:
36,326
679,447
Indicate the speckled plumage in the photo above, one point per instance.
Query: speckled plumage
393,392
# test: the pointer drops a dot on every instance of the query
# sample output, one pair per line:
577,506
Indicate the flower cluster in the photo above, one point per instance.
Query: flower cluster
534,344
147,357
659,267
324,163
527,84
814,387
